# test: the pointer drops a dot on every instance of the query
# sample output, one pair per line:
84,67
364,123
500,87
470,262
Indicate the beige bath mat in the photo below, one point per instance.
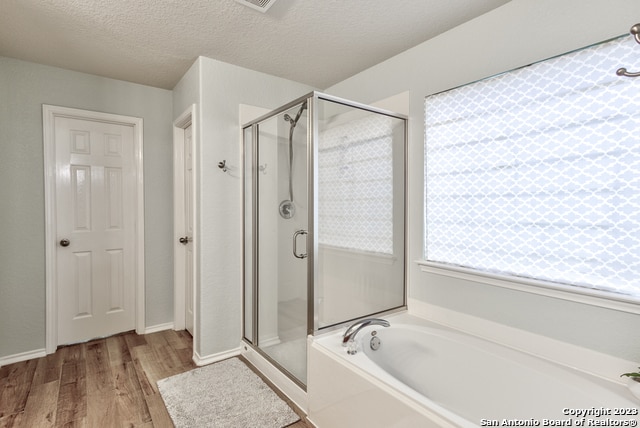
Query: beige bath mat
224,394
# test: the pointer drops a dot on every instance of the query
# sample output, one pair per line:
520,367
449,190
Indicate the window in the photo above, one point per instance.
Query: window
536,172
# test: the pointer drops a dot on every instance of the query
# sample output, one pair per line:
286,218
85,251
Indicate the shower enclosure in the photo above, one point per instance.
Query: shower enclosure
324,222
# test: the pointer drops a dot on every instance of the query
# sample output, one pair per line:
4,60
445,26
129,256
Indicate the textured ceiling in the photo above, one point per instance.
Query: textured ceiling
154,42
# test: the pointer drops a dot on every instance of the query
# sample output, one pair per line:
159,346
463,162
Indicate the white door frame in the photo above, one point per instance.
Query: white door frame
49,113
188,117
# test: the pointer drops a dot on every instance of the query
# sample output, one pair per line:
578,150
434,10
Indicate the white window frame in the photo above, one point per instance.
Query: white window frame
593,297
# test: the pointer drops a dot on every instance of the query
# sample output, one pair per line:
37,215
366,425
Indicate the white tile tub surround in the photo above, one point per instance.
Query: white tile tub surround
354,391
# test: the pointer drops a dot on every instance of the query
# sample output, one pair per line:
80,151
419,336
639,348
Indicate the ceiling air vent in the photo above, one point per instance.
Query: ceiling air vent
261,5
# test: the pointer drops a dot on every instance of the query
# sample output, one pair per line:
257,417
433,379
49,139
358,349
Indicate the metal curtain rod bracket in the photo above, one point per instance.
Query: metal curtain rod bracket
635,32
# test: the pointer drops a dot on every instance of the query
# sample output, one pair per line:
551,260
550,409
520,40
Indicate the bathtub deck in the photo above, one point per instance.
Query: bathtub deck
74,386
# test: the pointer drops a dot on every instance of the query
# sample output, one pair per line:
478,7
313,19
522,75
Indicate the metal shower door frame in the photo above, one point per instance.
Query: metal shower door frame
313,100
255,280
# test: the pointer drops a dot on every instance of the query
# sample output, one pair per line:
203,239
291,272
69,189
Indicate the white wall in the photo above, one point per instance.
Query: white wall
24,87
516,34
221,89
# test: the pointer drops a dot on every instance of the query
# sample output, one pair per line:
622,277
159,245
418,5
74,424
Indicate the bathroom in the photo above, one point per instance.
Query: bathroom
485,46
518,33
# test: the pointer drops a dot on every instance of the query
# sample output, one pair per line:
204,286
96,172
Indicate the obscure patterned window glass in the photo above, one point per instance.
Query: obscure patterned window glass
355,189
536,172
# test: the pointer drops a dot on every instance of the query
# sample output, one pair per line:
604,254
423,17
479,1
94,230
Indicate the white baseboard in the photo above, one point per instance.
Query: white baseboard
23,356
37,353
158,327
214,358
584,359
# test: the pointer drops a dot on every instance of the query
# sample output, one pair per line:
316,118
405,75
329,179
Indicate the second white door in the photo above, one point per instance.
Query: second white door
188,227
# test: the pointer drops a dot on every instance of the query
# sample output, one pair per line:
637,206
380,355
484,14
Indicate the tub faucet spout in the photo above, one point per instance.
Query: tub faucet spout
351,332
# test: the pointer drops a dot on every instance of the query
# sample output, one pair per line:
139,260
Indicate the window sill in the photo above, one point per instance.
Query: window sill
586,296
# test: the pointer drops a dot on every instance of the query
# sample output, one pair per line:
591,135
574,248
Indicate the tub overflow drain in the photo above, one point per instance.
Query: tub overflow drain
375,343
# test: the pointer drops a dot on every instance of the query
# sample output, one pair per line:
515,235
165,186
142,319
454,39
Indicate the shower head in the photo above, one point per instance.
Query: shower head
293,121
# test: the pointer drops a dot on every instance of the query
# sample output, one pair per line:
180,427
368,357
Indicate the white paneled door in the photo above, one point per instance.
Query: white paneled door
188,227
95,200
185,252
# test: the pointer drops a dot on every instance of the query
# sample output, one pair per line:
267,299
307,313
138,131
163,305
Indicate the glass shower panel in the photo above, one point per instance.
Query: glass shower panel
360,213
282,217
248,234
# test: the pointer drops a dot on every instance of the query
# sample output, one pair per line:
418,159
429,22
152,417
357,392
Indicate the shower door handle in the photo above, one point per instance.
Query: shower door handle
295,244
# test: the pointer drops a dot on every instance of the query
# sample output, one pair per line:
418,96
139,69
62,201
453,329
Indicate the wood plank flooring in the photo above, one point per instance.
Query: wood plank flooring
103,383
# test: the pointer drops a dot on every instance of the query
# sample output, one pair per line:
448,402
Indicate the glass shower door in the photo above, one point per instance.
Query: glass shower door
324,222
281,252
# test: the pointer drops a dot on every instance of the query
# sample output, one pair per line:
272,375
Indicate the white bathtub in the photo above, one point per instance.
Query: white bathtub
425,375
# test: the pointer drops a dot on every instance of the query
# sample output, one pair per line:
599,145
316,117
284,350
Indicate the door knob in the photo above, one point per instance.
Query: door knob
184,240
64,242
